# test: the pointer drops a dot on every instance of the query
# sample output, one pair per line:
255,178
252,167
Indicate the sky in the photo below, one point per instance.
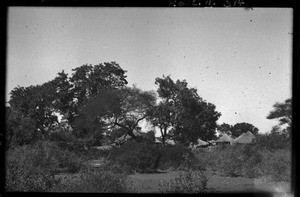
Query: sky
240,60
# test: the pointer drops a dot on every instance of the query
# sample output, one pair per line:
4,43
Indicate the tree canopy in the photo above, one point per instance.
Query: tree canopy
282,112
122,108
237,129
225,128
243,127
184,111
36,106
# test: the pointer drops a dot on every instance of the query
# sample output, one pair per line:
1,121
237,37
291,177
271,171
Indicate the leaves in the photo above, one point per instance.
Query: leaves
225,128
123,108
243,127
282,112
183,110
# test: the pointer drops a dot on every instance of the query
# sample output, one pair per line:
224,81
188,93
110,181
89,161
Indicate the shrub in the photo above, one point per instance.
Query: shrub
65,139
186,182
67,159
231,162
252,158
277,165
209,159
237,160
106,179
274,140
32,167
95,154
29,168
136,157
191,162
173,156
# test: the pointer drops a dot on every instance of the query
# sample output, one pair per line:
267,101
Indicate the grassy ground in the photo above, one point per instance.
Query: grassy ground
148,183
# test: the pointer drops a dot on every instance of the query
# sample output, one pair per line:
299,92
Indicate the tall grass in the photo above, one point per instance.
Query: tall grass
249,161
191,180
186,182
30,168
106,179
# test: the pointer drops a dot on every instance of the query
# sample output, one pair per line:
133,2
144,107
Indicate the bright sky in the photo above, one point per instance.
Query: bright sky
240,60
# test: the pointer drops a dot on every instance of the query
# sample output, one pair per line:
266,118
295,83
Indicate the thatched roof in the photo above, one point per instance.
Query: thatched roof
201,143
126,137
224,138
171,142
244,138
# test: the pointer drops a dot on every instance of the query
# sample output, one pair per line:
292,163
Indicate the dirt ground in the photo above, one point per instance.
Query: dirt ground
148,183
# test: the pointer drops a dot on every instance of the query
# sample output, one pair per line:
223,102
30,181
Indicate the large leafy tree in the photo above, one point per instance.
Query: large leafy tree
86,82
243,127
161,116
225,128
36,105
20,129
186,113
283,113
119,108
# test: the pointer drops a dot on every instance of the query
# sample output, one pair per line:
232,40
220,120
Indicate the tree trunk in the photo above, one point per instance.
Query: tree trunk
162,137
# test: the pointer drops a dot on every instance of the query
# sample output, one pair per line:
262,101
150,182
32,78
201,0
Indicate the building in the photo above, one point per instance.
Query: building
225,140
245,138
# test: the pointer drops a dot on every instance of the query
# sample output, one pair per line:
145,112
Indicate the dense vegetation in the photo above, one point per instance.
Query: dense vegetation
96,104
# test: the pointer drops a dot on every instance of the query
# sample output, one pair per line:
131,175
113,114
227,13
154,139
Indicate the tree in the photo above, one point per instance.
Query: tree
184,111
150,136
120,108
20,129
33,104
38,104
161,117
243,127
64,100
282,112
225,128
116,133
273,140
86,82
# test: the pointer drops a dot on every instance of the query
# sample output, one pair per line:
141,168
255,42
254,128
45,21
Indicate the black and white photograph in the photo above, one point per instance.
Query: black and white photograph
149,100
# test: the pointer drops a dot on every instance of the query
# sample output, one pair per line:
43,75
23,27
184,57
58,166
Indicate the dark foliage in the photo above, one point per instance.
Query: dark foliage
136,157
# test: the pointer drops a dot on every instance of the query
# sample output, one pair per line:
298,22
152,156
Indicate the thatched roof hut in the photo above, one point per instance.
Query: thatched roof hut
245,138
225,139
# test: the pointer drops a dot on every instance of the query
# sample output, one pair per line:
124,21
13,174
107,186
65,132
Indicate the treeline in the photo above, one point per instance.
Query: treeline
96,101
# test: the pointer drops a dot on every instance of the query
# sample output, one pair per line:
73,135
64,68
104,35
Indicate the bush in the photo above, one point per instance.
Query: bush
275,140
277,165
32,167
95,154
186,182
233,161
106,179
250,161
69,160
136,157
65,139
29,168
173,156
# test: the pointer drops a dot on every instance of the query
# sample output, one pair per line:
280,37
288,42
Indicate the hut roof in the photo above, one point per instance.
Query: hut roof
201,143
224,138
171,142
244,138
